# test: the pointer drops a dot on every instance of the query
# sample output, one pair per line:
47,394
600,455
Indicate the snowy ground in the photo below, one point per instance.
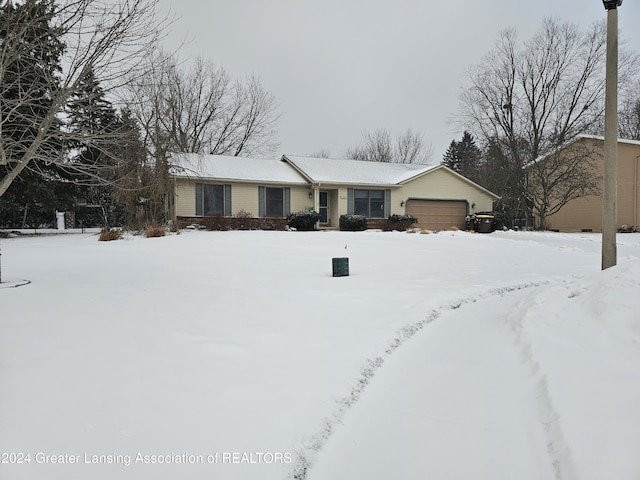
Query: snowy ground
449,355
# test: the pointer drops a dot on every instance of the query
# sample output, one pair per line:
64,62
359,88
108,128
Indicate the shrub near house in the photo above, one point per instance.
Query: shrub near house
400,222
353,223
303,221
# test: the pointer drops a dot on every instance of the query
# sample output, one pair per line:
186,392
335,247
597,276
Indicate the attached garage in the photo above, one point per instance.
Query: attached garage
438,214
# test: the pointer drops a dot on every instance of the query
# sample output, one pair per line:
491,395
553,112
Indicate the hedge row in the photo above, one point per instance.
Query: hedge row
221,223
301,221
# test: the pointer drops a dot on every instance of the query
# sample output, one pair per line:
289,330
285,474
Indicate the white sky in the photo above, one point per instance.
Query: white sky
338,67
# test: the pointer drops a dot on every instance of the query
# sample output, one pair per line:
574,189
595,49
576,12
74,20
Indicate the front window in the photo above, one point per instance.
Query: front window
369,203
210,199
275,202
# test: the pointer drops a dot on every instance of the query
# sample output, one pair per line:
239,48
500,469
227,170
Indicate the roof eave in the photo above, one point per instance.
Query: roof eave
293,164
239,180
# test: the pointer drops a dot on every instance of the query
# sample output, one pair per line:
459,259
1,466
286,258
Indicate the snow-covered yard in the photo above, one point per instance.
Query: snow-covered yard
237,355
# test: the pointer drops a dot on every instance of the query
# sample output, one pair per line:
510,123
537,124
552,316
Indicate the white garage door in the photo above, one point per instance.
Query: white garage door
438,214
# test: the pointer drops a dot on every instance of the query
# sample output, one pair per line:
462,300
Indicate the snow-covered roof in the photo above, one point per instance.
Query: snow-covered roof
356,172
296,170
222,167
577,138
600,137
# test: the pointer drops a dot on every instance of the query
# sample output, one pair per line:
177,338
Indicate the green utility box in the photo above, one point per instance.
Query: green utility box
340,267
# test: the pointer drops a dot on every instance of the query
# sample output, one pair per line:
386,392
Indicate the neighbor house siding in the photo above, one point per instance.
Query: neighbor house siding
442,185
586,213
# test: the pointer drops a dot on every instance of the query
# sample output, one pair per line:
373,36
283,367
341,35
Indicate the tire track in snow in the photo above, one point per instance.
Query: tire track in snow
305,456
557,446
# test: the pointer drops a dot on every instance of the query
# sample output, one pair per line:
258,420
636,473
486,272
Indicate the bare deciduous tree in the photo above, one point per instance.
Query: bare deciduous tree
629,116
108,37
378,146
202,110
321,154
562,176
536,96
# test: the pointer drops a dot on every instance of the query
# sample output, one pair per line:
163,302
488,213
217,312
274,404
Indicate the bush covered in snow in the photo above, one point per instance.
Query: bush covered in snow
399,222
353,223
303,221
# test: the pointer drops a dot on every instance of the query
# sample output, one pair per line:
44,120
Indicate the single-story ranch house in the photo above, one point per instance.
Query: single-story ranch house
211,185
585,213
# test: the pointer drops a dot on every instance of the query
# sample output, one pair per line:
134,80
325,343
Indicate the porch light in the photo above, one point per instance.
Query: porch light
310,194
611,4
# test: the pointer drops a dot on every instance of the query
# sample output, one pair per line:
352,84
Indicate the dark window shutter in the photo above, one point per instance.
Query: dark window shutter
262,201
387,203
199,211
350,201
287,201
227,200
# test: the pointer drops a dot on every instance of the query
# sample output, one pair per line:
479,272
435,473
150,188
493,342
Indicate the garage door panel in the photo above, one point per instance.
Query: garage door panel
438,214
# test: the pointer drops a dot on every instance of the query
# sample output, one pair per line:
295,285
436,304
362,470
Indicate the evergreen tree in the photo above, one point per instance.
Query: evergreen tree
110,143
27,83
451,158
95,126
464,157
501,173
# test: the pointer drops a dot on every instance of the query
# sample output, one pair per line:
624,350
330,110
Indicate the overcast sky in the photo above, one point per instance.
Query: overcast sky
338,67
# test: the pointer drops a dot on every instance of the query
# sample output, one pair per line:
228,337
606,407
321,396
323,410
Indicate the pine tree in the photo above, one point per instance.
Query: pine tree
26,86
451,158
464,157
27,83
95,127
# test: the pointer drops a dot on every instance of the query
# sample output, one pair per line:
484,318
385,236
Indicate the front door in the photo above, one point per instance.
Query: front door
324,207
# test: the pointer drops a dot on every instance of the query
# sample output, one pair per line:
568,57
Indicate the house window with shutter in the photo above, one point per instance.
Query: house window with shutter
213,199
370,203
274,201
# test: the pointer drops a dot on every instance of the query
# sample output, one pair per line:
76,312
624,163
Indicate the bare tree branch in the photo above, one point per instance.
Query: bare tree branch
377,146
108,37
199,109
533,97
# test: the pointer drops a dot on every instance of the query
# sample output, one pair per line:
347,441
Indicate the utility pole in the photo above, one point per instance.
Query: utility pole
610,190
